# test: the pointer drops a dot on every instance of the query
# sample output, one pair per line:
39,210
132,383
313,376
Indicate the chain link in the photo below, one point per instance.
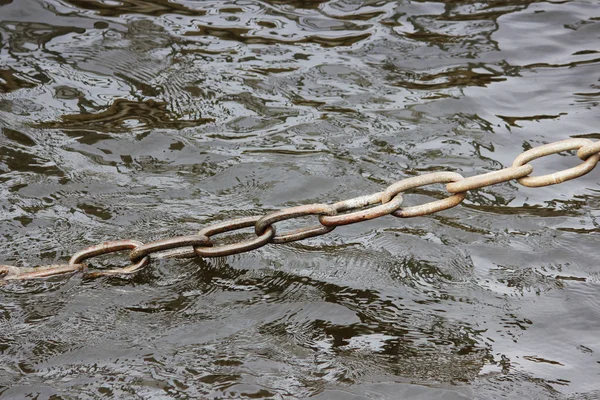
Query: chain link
330,216
167,244
418,181
8,272
234,248
491,178
560,176
110,247
294,212
364,215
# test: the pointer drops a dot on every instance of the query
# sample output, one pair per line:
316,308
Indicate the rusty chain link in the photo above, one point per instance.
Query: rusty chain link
329,216
294,212
234,248
364,215
418,181
111,247
588,164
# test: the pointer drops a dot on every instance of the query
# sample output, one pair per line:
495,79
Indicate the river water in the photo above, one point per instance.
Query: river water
149,119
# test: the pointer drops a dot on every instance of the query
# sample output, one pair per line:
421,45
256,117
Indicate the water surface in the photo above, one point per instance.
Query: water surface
148,119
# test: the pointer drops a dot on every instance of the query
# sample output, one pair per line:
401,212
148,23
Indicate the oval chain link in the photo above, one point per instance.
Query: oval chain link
561,176
418,181
294,212
329,217
364,215
479,181
168,244
8,272
111,247
234,248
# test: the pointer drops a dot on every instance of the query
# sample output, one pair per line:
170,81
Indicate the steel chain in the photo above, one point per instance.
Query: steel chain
330,216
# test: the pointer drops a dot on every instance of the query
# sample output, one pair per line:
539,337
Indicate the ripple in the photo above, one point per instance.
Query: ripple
11,80
151,8
123,114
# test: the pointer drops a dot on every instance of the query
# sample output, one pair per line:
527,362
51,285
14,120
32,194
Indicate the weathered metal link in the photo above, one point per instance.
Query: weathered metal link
8,272
294,212
111,247
168,244
588,150
561,176
491,178
234,248
363,215
418,181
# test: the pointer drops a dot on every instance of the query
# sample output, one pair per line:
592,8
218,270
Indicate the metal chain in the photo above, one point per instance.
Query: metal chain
329,216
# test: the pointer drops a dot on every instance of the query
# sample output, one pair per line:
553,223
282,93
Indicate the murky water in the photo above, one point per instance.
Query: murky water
148,119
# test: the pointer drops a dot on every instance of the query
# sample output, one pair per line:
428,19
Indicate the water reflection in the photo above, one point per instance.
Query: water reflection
154,8
123,113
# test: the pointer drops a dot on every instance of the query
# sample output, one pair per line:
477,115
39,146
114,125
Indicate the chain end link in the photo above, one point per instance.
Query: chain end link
11,273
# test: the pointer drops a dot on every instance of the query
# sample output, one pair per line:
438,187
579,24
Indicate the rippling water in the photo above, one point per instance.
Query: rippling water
147,119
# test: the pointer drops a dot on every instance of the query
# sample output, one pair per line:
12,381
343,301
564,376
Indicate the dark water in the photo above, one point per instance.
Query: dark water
147,119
